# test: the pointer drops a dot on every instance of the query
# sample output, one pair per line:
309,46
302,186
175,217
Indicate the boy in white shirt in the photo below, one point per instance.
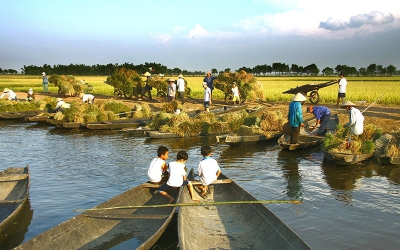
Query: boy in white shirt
158,167
236,94
177,176
207,97
208,169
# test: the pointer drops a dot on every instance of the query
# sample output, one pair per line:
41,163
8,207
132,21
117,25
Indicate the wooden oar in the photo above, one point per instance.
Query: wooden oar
195,204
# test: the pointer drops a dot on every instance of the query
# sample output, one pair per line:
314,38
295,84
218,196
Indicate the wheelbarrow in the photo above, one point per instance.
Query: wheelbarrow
310,90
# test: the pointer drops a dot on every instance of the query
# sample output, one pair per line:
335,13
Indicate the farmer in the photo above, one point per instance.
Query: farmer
147,88
209,80
45,83
180,84
30,96
342,89
207,97
322,115
61,105
236,94
171,89
296,117
89,98
10,94
356,119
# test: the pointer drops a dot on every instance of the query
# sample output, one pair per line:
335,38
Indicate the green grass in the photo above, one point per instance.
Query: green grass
358,89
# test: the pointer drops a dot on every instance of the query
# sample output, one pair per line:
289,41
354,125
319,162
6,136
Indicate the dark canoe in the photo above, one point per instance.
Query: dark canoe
70,125
18,115
384,159
244,140
305,141
38,118
104,229
118,124
14,191
137,131
346,159
233,226
161,135
54,122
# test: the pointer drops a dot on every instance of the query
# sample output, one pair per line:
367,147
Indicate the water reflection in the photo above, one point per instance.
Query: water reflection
15,234
290,171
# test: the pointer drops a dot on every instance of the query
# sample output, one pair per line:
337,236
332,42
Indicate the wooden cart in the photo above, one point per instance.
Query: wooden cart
310,90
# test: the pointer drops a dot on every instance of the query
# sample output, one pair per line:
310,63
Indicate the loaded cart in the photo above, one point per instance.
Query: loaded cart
310,90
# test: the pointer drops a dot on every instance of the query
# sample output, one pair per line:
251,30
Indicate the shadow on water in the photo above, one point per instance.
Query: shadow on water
15,234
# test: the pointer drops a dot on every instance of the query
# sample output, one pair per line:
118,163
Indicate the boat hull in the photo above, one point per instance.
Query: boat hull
233,226
346,159
99,229
384,159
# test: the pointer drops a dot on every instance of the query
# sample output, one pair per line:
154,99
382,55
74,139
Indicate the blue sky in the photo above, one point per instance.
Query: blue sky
200,35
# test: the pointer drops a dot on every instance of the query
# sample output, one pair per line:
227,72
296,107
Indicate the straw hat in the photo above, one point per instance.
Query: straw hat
299,97
170,80
204,83
6,90
180,76
147,74
43,73
30,91
59,99
347,103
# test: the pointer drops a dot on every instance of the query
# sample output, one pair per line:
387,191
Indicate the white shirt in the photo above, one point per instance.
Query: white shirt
235,91
59,104
356,122
181,85
208,168
11,95
155,170
342,85
88,98
176,171
171,89
207,94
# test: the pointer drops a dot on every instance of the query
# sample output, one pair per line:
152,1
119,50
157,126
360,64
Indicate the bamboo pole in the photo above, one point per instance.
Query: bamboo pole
195,204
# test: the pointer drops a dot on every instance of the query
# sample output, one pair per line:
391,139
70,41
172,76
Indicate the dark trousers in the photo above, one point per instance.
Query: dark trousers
147,89
182,96
294,137
324,122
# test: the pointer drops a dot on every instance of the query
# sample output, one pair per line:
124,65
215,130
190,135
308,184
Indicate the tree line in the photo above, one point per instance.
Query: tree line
276,68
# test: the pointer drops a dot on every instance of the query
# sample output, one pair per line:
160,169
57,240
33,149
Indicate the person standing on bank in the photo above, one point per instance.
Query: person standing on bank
207,97
181,88
356,119
147,88
342,89
209,80
171,89
322,115
45,83
295,117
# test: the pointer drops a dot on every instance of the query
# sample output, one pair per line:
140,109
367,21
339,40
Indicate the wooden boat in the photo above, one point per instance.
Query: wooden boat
161,135
232,226
14,191
244,140
70,125
385,159
18,115
346,159
140,131
305,141
38,118
104,229
118,124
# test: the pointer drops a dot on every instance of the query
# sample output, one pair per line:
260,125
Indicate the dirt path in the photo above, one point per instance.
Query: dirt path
385,117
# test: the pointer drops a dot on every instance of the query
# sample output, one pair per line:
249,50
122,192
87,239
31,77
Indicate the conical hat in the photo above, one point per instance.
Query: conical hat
6,90
347,103
299,97
147,74
181,76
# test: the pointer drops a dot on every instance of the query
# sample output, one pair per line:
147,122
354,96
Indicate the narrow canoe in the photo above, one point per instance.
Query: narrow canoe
14,191
104,229
233,226
18,115
346,159
244,140
118,124
305,141
384,159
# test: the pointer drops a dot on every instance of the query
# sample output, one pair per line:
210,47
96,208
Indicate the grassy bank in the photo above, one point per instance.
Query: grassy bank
358,89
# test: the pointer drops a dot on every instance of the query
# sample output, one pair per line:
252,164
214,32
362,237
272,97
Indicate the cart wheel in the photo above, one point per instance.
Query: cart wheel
117,94
229,98
128,96
314,97
161,97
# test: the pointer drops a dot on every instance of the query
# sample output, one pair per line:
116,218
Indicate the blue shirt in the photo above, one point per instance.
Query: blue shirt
295,114
209,81
320,111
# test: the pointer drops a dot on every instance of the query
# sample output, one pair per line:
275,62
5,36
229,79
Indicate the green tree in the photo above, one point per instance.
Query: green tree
371,69
327,71
390,69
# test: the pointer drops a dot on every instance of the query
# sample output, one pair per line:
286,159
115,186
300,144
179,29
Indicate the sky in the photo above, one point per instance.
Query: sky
200,35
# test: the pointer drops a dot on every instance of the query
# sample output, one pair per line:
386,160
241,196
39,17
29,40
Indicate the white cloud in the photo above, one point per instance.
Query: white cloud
197,32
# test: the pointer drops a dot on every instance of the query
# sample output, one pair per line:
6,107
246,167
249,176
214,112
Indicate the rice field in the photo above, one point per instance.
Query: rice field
359,89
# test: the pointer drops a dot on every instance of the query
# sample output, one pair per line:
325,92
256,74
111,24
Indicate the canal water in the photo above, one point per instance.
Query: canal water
354,207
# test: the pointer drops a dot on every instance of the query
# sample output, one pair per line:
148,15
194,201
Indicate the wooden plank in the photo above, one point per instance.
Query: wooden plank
126,216
16,177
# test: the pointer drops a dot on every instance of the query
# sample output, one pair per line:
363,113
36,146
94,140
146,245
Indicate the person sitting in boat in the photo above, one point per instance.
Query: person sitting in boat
208,169
356,119
157,171
89,98
295,117
61,105
10,95
177,176
30,96
322,115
